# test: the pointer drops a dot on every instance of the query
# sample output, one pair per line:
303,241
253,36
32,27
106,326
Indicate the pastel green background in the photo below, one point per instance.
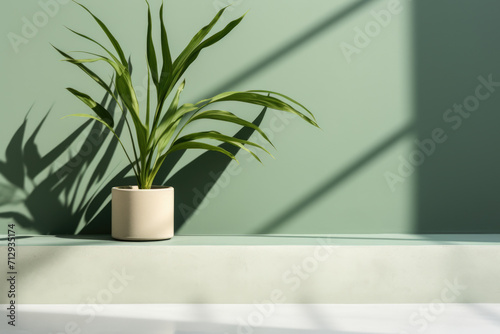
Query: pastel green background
371,108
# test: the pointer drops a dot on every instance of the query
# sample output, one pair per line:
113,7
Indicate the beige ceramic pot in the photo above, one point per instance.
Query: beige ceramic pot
142,214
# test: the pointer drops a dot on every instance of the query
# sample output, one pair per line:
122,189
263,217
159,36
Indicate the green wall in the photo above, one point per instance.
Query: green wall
378,75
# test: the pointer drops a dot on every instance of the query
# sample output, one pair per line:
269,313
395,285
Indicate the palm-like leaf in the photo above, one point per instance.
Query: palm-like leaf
163,136
103,114
223,138
226,116
166,70
89,72
111,38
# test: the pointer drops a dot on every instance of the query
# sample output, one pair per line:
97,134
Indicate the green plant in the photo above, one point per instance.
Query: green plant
159,134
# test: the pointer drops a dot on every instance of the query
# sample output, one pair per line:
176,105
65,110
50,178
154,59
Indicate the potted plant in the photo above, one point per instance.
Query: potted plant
145,211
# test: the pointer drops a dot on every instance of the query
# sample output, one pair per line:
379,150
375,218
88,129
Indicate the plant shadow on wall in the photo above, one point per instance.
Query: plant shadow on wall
48,196
157,138
44,192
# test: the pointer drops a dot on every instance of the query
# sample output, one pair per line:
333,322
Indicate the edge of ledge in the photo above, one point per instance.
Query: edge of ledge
264,240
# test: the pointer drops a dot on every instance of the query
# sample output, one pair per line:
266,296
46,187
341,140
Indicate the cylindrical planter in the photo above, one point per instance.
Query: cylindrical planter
142,214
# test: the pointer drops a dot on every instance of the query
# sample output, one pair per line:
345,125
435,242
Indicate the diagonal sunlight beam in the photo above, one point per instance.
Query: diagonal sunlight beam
347,172
291,46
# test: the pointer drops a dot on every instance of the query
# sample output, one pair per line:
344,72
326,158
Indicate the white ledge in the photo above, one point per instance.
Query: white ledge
340,269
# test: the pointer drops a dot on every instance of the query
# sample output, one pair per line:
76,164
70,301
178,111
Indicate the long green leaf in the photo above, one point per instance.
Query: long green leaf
166,70
182,64
226,116
202,146
129,98
150,50
81,61
169,128
166,135
119,69
179,65
111,38
286,97
171,111
87,71
148,94
127,93
241,146
94,41
208,42
198,38
104,115
185,146
220,137
257,99
160,136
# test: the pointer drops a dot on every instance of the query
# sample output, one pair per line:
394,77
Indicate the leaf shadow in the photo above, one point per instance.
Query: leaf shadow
49,189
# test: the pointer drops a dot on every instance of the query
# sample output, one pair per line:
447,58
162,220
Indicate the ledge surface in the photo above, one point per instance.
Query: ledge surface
340,269
264,240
